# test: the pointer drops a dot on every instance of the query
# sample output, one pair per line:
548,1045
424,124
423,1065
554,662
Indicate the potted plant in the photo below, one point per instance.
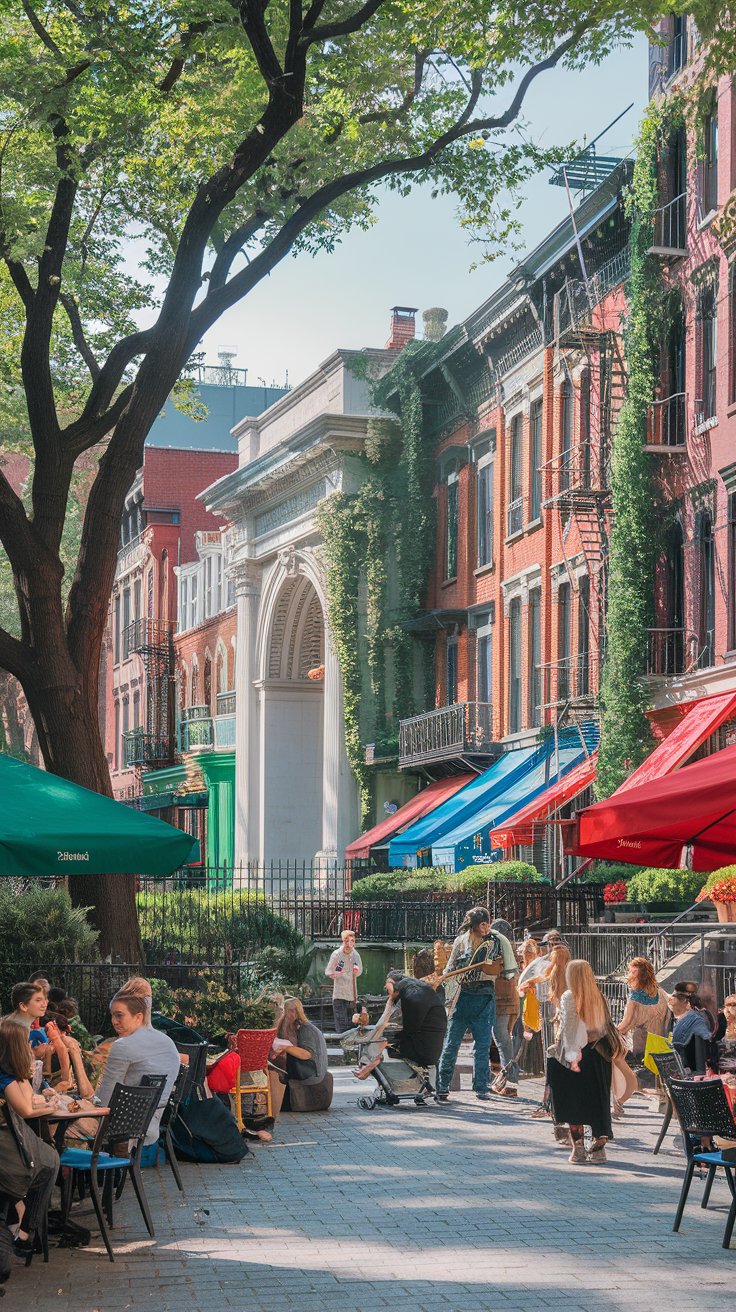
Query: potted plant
670,891
720,889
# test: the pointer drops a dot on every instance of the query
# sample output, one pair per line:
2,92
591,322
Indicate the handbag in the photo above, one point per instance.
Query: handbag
655,1043
16,1155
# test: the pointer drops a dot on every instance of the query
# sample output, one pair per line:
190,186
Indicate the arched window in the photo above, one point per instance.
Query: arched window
221,669
195,682
207,681
163,591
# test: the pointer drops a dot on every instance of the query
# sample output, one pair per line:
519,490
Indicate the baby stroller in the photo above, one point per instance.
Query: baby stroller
397,1079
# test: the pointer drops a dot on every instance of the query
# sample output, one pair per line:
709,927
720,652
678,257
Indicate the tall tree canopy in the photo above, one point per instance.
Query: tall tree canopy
223,135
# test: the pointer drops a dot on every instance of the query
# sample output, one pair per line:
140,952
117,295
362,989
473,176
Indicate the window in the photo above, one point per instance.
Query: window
193,601
116,758
706,625
515,665
451,529
677,53
563,642
484,664
451,673
568,399
183,603
195,682
535,657
535,461
136,709
484,508
732,571
585,415
584,637
515,510
116,634
207,681
126,726
208,563
732,334
709,188
708,334
126,622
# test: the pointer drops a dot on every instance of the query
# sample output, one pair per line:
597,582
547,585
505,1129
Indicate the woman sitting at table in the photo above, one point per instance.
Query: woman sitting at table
138,1051
725,1036
29,1186
300,1048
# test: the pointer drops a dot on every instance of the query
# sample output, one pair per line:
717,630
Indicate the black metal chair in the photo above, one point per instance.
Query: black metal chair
131,1110
703,1110
197,1064
171,1110
669,1067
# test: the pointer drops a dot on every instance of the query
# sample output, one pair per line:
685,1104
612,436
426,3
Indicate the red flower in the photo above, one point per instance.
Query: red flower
616,892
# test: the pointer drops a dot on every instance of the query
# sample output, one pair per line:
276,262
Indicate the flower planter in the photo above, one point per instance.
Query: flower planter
726,912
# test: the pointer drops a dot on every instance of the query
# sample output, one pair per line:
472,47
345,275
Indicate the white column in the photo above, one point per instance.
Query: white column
247,577
339,789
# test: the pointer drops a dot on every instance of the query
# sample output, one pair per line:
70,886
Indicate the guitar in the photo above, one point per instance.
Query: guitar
477,968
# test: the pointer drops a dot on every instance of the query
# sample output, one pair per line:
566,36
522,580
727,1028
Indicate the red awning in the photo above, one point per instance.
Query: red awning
519,828
701,720
651,824
414,809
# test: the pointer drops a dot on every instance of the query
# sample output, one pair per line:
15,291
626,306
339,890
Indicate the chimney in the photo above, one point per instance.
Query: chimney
435,323
403,327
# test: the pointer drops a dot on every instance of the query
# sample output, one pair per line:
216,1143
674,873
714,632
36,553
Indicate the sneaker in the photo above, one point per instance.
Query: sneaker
508,1091
483,1096
441,1097
597,1156
577,1156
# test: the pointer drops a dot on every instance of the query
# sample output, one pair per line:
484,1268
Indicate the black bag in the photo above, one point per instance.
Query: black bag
17,1142
205,1130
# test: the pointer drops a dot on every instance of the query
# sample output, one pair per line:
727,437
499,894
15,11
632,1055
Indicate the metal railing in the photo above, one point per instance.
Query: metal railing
578,468
226,703
449,731
515,517
667,422
573,678
704,408
142,748
671,651
669,227
224,727
146,635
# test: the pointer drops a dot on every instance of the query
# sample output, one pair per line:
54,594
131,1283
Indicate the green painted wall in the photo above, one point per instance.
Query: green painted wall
219,773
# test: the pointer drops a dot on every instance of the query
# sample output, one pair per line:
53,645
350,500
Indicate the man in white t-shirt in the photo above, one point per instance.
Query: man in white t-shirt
343,968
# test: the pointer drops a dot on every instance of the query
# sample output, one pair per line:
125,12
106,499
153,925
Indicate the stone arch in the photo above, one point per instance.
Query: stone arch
275,615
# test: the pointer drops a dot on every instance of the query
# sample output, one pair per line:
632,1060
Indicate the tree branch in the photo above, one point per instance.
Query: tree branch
254,26
40,30
78,337
110,376
84,433
233,245
352,24
14,656
16,532
21,281
392,115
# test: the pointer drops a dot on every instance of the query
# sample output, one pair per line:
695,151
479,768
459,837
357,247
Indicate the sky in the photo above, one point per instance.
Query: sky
417,254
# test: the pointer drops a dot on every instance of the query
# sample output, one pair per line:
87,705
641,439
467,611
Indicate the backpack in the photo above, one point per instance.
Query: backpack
205,1130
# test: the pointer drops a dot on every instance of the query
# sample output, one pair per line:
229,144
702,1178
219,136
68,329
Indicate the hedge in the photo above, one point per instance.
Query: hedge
434,881
654,885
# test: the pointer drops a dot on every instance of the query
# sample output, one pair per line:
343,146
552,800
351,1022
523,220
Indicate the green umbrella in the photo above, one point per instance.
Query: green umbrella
49,826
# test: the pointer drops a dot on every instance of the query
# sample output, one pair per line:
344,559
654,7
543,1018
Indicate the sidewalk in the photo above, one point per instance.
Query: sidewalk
466,1207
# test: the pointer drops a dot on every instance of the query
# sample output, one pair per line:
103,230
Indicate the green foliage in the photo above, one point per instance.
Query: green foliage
626,736
725,872
654,885
229,926
212,1008
608,872
434,881
42,925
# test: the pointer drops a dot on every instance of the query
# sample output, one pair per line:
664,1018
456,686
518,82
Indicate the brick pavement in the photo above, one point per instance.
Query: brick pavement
466,1207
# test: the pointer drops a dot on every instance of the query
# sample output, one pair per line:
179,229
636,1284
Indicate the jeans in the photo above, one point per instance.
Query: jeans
343,1011
503,1037
475,1012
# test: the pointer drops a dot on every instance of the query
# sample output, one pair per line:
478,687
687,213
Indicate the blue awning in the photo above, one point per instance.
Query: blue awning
407,849
469,841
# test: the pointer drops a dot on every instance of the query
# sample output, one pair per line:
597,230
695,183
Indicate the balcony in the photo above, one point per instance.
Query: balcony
515,517
142,749
571,681
449,733
669,229
145,636
704,409
199,731
671,651
667,424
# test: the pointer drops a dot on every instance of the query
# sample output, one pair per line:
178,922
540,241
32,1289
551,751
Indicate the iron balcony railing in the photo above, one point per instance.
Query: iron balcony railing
570,679
669,227
450,731
704,409
224,727
141,748
515,517
199,731
667,422
144,635
671,651
226,703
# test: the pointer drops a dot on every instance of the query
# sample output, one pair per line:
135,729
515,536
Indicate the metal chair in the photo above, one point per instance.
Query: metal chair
170,1112
703,1111
669,1067
253,1049
131,1111
197,1063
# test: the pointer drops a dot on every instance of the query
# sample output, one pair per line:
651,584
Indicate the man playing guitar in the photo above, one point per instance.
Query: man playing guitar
476,958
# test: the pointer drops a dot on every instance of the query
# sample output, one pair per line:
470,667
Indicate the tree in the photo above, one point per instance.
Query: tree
223,135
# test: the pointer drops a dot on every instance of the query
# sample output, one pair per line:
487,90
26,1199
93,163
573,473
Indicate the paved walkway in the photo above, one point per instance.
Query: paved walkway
463,1208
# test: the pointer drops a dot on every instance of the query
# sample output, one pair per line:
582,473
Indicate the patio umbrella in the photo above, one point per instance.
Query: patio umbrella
49,826
650,825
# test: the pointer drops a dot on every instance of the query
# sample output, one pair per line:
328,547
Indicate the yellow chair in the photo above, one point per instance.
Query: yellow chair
253,1048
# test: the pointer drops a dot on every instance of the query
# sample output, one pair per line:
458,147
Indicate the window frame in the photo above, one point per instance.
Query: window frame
484,526
451,667
536,438
534,650
452,518
515,692
515,508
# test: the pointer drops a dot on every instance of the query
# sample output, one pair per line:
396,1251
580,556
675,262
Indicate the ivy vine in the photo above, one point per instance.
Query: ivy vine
379,543
626,736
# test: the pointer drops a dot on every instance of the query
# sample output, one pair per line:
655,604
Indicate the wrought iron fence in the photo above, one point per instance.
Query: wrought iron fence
446,732
667,421
669,226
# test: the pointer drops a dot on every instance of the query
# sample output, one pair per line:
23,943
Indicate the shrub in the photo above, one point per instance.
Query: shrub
198,924
720,886
212,1009
609,872
436,880
474,879
654,885
43,926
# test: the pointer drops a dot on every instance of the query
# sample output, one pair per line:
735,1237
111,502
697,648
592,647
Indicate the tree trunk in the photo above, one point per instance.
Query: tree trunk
69,735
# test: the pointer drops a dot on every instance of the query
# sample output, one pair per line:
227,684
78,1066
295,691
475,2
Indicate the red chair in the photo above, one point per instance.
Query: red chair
253,1049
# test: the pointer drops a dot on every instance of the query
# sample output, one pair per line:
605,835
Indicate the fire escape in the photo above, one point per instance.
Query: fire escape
577,485
153,746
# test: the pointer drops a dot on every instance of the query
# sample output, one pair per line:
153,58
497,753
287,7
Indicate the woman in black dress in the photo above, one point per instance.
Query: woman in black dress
579,1075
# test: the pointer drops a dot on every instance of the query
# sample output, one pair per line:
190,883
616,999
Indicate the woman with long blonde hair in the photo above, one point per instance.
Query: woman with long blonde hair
556,973
580,1075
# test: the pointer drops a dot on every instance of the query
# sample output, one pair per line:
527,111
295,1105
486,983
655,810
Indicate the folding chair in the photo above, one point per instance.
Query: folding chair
669,1067
253,1049
703,1110
171,1110
197,1055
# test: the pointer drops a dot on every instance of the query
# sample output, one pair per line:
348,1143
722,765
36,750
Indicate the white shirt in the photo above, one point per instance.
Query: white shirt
344,985
144,1052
